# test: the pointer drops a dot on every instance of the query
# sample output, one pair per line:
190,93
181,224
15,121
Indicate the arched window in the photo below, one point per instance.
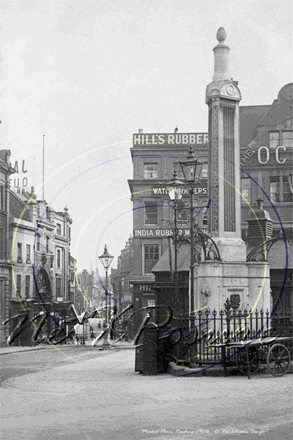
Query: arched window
38,238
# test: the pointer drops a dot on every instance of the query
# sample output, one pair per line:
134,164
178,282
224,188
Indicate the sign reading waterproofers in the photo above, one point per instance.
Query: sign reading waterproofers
169,139
197,190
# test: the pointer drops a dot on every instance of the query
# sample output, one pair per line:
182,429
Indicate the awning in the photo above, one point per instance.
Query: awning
183,260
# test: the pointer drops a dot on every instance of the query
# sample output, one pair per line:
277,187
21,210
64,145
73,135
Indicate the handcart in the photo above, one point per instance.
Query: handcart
250,354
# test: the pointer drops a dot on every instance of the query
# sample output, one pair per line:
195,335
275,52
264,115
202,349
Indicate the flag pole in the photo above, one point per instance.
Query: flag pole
43,167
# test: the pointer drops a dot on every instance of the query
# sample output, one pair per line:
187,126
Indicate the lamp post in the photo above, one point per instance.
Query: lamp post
191,169
106,260
175,196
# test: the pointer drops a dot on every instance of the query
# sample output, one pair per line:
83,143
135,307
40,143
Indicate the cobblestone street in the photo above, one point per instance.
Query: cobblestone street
103,398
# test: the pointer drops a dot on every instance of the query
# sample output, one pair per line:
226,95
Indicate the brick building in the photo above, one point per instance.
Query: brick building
266,142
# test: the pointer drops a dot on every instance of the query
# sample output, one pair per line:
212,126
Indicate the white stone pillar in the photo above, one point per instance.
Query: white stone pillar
222,97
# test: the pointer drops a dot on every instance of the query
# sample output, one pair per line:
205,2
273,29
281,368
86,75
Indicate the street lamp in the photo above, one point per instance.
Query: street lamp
191,169
106,260
175,195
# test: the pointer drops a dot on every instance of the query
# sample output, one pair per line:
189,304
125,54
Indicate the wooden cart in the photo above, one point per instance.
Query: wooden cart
249,355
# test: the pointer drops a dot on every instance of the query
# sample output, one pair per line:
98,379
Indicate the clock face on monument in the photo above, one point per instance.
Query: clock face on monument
230,90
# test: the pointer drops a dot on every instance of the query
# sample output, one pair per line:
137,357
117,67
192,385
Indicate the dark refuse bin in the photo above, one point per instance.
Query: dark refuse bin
146,354
150,350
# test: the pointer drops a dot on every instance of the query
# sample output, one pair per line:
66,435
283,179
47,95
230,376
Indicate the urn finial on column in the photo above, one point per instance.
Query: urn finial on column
221,35
221,51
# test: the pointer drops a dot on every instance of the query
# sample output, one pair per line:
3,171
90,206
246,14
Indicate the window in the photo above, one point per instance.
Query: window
286,139
18,284
275,188
204,171
28,253
19,252
27,286
150,213
47,244
246,189
2,198
151,256
274,139
58,286
58,228
182,211
287,194
38,243
1,243
58,258
150,170
179,171
151,302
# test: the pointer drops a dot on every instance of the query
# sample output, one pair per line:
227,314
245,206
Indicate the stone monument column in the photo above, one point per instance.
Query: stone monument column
223,97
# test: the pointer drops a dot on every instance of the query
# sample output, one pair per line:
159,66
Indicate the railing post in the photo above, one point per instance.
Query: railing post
261,323
245,314
207,315
215,333
239,323
256,322
199,338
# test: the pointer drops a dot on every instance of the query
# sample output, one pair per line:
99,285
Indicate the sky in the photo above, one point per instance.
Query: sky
80,77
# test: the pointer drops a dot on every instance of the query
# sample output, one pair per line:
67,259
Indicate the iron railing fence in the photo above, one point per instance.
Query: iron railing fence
215,329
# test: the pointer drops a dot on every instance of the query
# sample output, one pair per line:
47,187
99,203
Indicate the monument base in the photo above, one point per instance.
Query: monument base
217,281
231,249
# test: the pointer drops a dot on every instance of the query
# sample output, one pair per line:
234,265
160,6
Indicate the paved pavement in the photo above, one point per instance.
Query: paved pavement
103,398
20,349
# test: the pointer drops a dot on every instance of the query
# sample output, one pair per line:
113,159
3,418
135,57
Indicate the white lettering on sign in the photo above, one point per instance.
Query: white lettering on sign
158,233
22,181
24,172
247,155
199,191
277,154
264,155
171,139
267,157
184,191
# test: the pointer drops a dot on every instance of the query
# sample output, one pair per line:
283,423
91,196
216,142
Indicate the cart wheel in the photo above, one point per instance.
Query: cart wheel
278,360
253,358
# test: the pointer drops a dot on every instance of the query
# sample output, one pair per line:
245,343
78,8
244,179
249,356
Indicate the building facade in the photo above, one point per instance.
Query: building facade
155,157
266,139
6,171
266,147
39,243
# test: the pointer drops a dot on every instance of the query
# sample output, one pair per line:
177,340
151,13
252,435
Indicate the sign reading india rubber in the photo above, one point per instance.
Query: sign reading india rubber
169,139
161,233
